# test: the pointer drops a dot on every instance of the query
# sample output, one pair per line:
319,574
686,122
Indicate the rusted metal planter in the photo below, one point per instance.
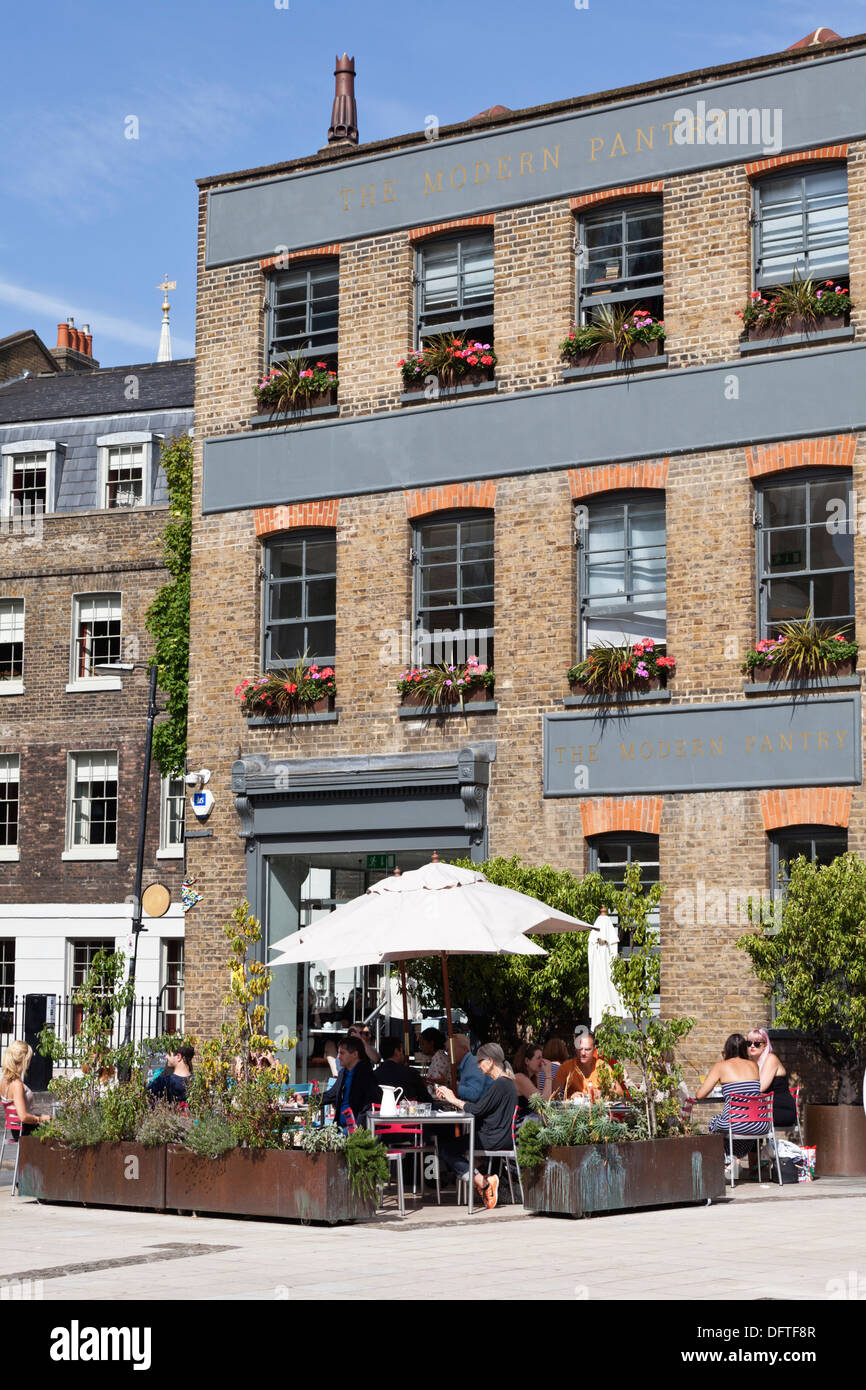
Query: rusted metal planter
838,1133
287,1184
618,1177
110,1175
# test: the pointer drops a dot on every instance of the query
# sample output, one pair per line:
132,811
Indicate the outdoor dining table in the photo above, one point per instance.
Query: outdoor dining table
436,1117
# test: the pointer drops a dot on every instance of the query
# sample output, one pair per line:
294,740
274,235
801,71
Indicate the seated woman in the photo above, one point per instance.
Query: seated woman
773,1077
494,1113
16,1060
432,1044
530,1078
737,1076
173,1083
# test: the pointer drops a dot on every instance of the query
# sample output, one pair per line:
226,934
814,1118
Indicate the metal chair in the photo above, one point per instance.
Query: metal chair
12,1125
398,1152
796,1092
504,1155
752,1110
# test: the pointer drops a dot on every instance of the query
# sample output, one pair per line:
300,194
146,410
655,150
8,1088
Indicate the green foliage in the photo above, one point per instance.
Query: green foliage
608,668
162,1123
168,616
525,996
210,1136
326,1139
78,1125
102,997
801,299
122,1109
615,325
288,689
643,1039
810,947
292,384
567,1126
802,648
446,684
368,1163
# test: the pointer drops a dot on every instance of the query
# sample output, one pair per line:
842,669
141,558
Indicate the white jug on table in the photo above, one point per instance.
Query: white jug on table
391,1096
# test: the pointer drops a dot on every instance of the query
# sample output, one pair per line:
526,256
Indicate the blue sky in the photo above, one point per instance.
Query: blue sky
92,220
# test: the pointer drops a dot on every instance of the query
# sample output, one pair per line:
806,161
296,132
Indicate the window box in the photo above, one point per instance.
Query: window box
797,324
289,692
416,699
293,386
638,688
765,675
473,381
613,670
608,353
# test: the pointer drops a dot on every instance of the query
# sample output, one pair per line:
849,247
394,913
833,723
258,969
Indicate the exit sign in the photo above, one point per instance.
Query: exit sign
381,861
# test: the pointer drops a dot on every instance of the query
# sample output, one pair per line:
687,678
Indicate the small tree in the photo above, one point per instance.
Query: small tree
809,947
642,1038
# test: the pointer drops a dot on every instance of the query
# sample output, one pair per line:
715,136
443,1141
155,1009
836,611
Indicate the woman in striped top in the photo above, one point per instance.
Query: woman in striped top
737,1076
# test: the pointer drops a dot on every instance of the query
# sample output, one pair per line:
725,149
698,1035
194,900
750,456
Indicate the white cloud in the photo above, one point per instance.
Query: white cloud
102,325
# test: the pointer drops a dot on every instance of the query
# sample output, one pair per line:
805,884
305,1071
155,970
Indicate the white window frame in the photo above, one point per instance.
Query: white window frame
9,854
55,452
105,443
83,852
167,851
15,687
91,683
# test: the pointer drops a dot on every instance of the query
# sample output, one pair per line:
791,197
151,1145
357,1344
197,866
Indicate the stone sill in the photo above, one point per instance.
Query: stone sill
797,339
265,721
9,854
447,711
641,364
446,393
625,697
11,687
318,412
803,683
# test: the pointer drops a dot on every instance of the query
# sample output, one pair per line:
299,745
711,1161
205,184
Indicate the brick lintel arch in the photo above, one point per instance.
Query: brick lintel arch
281,261
806,806
425,501
783,161
830,451
288,517
486,219
640,814
611,477
607,195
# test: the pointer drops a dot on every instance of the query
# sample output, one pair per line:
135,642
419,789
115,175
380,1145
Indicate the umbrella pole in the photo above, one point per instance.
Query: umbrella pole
405,1012
446,989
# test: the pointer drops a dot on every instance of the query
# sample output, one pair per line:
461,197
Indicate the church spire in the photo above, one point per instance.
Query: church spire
164,354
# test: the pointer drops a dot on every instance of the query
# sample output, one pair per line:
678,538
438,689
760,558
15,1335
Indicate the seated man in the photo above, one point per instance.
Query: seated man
471,1080
393,1071
494,1114
580,1074
354,1087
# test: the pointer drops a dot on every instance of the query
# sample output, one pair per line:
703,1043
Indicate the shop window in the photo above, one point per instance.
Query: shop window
622,597
304,312
801,226
619,259
455,287
300,598
454,593
805,552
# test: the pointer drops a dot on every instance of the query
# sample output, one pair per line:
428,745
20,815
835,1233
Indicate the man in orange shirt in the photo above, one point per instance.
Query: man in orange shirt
580,1074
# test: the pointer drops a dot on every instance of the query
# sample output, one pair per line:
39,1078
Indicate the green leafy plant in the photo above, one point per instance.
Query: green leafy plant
210,1136
101,999
616,326
642,1038
446,684
122,1109
802,648
162,1123
287,689
449,357
324,1139
801,299
608,669
167,618
78,1125
367,1158
567,1127
809,949
292,385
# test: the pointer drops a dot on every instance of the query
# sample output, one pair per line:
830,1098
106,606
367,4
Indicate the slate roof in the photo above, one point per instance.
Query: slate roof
67,395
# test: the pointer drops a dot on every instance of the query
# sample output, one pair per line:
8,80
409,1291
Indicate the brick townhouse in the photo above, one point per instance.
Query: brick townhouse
681,496
84,508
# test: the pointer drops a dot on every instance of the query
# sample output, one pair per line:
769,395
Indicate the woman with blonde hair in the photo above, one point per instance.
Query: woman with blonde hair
16,1060
773,1077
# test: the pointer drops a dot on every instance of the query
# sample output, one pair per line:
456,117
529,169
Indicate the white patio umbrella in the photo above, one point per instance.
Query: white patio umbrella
437,910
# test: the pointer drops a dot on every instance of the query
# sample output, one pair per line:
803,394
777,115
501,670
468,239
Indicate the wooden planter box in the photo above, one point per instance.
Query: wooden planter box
765,675
609,353
476,376
283,1183
476,696
797,324
619,1177
110,1175
654,683
302,406
838,1133
265,712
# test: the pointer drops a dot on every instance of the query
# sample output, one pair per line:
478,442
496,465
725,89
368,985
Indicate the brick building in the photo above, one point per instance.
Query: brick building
83,512
683,497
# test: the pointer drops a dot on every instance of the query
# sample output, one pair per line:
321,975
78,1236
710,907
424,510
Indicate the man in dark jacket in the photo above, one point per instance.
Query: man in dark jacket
393,1071
354,1087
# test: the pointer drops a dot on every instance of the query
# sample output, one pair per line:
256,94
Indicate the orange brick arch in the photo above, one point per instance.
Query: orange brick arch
269,520
432,229
608,477
642,814
806,806
607,195
425,501
779,161
830,451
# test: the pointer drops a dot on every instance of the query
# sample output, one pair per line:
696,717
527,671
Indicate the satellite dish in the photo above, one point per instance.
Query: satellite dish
156,900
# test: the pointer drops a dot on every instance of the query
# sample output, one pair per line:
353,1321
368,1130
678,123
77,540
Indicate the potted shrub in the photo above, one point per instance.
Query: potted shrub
452,359
614,335
446,686
577,1161
800,307
612,670
809,949
293,386
802,651
304,688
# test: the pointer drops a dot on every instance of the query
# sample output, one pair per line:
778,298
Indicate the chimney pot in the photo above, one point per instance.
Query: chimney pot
344,113
71,322
63,335
89,344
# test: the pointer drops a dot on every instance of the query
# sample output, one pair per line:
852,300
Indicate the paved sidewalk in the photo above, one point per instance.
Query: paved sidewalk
765,1243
